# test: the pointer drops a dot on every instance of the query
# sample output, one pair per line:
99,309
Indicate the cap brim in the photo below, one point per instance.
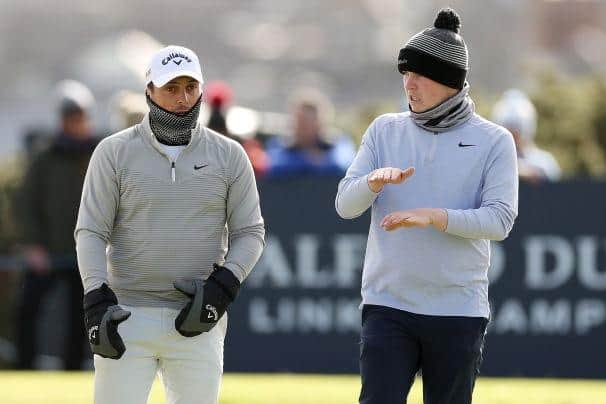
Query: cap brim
162,80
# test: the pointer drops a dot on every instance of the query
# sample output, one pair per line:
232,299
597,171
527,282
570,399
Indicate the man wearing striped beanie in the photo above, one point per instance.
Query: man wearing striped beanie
441,182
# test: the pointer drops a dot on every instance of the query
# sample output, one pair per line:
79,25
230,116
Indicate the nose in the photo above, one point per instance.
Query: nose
409,81
182,97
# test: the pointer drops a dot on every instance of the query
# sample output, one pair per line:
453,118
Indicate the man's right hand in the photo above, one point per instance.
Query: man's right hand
388,175
102,316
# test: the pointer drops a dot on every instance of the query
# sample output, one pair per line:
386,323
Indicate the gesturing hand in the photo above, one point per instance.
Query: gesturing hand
421,217
388,175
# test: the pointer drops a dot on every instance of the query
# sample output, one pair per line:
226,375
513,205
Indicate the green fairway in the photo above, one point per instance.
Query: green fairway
76,387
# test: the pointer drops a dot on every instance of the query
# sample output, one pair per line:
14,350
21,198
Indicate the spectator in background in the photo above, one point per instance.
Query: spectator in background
219,97
50,197
308,151
516,112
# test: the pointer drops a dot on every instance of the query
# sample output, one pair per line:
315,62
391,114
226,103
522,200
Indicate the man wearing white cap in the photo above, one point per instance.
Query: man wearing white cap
162,202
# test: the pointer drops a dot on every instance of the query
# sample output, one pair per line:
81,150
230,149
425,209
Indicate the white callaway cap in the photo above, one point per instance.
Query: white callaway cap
171,62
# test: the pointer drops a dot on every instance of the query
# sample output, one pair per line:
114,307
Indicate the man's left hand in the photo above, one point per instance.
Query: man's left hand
420,217
209,300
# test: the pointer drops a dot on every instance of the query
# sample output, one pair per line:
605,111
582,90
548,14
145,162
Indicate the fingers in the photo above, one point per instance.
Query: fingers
390,175
388,226
402,175
186,286
386,220
407,173
391,225
398,219
384,175
397,176
392,221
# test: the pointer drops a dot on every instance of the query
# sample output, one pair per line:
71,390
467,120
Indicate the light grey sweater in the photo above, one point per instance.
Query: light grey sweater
146,220
471,171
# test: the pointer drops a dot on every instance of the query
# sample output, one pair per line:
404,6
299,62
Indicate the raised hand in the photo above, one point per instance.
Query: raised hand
388,175
420,217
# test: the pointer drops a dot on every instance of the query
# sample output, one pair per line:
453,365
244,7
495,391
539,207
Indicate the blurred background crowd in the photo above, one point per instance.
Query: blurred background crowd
296,83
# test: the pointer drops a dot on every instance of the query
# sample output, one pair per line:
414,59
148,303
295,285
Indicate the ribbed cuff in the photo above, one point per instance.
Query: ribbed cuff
456,222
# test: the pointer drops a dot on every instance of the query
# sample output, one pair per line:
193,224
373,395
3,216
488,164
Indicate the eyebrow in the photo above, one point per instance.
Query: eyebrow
173,82
176,82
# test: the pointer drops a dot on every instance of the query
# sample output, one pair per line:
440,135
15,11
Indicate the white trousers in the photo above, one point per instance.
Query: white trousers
190,369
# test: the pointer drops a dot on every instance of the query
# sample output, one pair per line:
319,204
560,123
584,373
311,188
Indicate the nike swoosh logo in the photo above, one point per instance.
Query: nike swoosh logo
466,145
199,167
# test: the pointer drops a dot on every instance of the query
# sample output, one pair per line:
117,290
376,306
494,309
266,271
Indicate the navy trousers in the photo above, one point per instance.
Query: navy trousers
396,344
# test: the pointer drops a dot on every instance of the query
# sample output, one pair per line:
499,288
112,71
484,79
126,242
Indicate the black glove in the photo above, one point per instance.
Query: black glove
101,317
209,301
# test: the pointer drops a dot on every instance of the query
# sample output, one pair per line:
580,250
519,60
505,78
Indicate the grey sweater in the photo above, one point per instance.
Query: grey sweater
471,171
162,220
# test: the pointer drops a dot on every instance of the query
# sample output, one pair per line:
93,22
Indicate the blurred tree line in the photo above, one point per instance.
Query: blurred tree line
10,176
572,122
11,171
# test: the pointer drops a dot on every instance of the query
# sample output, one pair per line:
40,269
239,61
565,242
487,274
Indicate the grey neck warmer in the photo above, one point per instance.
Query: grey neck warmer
453,112
172,129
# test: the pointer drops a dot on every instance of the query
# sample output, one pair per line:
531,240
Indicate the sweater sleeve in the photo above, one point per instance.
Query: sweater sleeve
494,218
98,208
354,195
244,220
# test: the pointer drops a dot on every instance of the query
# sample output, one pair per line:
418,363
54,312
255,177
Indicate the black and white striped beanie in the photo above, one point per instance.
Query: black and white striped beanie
438,53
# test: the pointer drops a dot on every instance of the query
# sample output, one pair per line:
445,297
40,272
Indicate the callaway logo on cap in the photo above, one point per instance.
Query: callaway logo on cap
171,62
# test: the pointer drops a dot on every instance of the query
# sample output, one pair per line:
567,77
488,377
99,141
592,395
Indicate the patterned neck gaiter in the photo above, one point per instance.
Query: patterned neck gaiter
453,112
172,129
